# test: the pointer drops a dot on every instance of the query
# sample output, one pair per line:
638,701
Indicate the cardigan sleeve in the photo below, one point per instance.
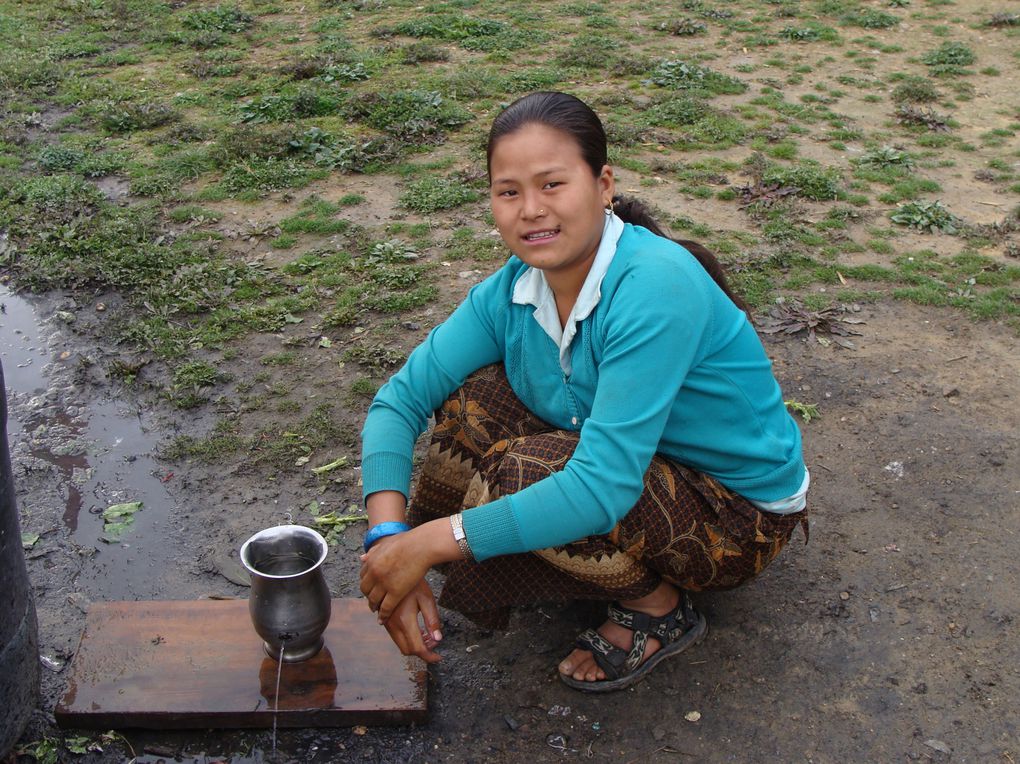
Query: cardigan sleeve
657,327
472,337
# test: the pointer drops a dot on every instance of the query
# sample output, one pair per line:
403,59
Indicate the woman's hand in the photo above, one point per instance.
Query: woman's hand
407,634
391,569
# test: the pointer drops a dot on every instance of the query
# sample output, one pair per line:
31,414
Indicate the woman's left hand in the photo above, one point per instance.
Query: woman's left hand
391,569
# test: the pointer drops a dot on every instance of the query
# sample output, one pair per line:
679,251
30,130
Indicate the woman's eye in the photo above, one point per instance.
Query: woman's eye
508,193
553,184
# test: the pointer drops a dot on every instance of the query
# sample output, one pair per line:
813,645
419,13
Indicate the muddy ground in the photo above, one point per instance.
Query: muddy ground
891,636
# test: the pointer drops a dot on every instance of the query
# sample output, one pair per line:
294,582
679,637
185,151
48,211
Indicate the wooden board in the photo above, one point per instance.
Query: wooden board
186,665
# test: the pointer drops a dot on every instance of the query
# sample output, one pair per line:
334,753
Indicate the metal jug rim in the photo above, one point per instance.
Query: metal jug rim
279,529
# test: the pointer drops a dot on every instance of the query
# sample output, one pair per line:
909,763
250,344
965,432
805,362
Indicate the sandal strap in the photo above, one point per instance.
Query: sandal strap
665,628
614,661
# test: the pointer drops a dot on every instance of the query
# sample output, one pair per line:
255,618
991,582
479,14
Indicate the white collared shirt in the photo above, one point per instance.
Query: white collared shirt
533,289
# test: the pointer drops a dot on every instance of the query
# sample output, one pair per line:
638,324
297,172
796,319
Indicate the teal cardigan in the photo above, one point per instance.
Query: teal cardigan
666,364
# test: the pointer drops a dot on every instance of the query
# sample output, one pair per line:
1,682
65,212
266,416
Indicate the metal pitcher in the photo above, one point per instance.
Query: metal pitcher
290,602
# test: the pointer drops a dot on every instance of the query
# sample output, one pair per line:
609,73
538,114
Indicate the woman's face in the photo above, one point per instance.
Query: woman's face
548,206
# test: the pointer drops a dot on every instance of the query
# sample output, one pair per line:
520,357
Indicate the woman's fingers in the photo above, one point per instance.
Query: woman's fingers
406,633
429,613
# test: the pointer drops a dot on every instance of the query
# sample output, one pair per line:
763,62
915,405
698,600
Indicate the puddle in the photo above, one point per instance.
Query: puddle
23,349
97,454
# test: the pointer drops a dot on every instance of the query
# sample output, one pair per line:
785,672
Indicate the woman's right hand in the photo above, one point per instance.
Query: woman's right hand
407,633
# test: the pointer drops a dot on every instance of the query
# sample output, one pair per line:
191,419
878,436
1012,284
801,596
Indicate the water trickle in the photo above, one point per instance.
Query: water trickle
276,697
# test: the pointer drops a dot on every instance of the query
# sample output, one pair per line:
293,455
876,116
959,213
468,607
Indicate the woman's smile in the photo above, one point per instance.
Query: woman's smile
541,237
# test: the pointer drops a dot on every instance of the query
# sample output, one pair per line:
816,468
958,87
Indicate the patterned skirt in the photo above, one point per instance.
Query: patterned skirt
686,528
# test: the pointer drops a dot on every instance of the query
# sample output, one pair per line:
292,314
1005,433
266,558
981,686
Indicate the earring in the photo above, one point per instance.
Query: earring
610,208
541,212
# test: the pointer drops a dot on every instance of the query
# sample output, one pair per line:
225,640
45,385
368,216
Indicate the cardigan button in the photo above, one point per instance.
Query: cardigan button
573,420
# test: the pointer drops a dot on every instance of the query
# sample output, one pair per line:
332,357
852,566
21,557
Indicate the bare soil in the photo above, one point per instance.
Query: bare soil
890,636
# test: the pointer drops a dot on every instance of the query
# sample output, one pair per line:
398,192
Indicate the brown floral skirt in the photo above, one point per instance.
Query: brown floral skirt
686,528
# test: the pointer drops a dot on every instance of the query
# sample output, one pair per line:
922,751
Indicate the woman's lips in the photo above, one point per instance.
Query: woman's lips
539,236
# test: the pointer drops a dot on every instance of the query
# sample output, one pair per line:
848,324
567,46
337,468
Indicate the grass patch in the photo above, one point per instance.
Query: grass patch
682,75
950,58
432,194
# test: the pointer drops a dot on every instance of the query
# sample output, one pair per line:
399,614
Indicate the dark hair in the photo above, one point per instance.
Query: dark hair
574,117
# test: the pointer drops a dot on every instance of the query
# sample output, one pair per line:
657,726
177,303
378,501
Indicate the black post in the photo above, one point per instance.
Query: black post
19,640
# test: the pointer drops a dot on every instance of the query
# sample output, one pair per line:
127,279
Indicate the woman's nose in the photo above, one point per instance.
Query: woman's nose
532,209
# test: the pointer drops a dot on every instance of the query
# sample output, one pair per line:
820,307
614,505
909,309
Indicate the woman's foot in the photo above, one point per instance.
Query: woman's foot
580,664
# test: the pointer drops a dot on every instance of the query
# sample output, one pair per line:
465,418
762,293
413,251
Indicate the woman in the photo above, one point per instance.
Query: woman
607,423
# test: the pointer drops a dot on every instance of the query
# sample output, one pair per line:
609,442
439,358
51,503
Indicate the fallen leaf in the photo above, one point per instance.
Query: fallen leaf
117,518
29,540
121,510
360,730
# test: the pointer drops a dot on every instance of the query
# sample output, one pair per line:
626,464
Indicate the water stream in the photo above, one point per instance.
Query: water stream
276,697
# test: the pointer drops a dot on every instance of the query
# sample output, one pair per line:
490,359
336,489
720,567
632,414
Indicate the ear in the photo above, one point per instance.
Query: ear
607,184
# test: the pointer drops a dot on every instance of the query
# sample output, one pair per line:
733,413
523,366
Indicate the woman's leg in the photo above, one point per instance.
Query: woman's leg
686,531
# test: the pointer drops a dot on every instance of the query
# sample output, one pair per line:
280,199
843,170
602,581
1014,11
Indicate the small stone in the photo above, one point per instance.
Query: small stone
511,723
557,741
844,596
658,733
939,746
52,662
360,730
693,716
950,392
100,307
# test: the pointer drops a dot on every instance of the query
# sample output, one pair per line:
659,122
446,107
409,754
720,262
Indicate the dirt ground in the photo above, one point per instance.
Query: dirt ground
891,636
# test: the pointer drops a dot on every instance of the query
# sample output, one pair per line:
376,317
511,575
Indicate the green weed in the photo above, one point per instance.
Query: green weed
315,216
412,116
869,18
432,194
811,180
682,75
809,31
129,117
931,217
683,27
264,175
221,18
915,89
950,58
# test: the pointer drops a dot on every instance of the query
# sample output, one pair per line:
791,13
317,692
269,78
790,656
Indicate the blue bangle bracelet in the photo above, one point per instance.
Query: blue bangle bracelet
382,530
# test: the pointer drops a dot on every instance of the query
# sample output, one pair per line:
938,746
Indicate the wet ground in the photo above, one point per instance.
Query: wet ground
891,636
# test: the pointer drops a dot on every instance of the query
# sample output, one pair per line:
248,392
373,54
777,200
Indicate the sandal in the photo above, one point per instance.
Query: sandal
679,629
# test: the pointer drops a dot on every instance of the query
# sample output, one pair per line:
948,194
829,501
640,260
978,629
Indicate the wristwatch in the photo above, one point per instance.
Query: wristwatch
457,524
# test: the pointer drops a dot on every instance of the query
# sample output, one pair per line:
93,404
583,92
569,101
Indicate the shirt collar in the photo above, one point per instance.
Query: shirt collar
533,289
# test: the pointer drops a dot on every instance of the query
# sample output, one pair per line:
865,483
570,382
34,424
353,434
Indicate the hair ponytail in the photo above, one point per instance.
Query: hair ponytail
636,213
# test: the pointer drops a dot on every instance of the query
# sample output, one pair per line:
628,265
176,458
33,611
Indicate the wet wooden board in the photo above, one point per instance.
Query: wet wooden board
186,665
